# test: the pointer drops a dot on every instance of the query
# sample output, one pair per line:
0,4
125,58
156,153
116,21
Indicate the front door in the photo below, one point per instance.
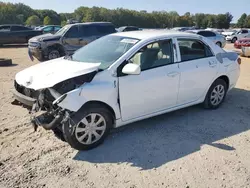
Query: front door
198,68
156,88
71,40
88,33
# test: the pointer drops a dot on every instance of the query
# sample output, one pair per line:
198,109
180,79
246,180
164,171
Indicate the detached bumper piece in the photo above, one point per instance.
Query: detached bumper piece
28,101
47,121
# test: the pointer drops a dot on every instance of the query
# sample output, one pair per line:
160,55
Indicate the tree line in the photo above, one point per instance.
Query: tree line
22,14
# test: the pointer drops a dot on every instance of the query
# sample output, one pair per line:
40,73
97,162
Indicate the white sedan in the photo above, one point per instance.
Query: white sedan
122,78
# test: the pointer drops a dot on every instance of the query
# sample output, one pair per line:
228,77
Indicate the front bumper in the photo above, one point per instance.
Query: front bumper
36,52
28,101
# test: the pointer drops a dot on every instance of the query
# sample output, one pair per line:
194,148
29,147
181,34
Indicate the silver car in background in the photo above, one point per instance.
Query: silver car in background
214,36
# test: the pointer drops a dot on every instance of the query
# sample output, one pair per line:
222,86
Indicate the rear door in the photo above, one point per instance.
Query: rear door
198,67
71,39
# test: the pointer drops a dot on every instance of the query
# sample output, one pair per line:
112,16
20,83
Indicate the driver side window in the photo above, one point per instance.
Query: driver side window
154,55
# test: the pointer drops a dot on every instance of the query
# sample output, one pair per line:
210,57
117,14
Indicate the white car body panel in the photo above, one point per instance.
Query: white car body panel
136,97
153,90
47,74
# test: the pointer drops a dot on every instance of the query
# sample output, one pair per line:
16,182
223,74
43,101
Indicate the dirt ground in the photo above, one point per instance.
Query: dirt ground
189,148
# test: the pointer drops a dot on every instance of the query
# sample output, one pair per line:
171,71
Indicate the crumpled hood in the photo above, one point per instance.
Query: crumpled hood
47,74
45,37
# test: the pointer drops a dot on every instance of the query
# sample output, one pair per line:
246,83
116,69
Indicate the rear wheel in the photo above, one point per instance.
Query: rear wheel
234,40
88,127
219,44
216,94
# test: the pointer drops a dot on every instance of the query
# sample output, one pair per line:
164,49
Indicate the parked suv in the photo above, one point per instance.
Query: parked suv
244,33
67,40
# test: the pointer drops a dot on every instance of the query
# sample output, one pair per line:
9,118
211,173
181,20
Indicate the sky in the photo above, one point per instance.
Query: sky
236,8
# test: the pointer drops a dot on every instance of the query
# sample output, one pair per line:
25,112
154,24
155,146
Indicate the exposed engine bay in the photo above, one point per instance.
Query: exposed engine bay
45,112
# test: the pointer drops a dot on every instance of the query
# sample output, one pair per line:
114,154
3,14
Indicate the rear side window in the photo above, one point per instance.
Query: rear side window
73,32
57,28
48,29
244,31
19,28
191,49
106,29
88,30
206,34
131,29
5,28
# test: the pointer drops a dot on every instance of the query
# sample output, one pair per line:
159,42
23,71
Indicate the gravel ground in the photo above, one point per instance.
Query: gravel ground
188,148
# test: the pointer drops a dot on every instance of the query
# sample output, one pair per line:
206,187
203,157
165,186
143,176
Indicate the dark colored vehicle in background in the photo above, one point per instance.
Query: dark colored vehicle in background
67,40
50,29
16,34
128,28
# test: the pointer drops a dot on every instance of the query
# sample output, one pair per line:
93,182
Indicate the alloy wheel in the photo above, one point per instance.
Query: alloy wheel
90,129
217,95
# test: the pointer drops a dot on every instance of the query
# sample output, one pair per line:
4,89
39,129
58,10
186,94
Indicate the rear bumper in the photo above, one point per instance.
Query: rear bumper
28,101
246,51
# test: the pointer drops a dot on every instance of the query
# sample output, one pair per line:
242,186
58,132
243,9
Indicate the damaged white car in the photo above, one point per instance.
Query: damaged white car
122,78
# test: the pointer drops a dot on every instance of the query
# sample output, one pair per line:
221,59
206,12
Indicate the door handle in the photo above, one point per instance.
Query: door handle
173,74
212,64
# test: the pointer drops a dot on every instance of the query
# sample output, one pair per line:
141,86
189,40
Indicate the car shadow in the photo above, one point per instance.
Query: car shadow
14,46
153,142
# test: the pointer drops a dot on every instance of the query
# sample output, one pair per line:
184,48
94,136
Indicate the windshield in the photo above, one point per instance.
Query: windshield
105,50
62,30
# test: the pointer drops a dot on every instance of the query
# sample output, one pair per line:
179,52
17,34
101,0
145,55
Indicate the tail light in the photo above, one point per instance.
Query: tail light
239,61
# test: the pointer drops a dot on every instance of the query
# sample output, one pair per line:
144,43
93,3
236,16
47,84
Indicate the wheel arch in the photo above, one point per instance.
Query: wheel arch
58,47
225,78
103,104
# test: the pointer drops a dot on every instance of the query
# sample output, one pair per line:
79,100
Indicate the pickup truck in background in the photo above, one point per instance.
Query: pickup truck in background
16,34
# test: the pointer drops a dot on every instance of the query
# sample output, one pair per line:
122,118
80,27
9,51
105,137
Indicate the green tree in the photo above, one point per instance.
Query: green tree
247,22
33,20
47,21
242,20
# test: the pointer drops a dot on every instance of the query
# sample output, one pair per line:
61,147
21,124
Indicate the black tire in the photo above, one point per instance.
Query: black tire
59,134
69,127
5,62
208,100
53,53
219,44
234,40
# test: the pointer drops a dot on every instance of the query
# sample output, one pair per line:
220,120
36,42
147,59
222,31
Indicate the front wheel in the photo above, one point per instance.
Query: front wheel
234,40
216,94
88,127
53,54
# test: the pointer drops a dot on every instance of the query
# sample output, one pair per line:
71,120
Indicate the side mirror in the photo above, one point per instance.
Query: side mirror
132,69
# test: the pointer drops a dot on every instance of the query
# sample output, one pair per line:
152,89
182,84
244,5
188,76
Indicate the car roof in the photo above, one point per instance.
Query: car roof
93,23
152,34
